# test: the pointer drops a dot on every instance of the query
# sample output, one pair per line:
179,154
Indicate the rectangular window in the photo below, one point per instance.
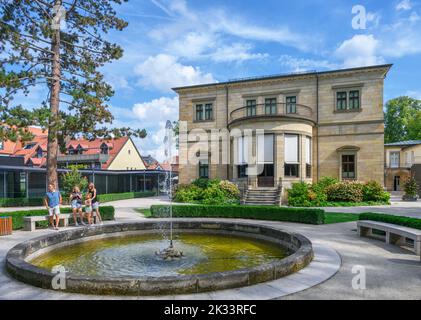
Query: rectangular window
208,111
251,108
291,155
341,100
291,104
394,159
242,169
199,112
348,166
203,169
308,157
270,106
354,99
291,170
308,170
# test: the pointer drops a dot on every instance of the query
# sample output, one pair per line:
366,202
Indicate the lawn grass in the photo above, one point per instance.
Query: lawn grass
338,217
146,212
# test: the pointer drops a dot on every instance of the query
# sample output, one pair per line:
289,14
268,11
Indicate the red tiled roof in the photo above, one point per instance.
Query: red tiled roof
94,147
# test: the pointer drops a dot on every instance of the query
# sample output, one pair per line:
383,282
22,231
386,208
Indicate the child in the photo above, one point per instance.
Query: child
76,204
88,208
52,202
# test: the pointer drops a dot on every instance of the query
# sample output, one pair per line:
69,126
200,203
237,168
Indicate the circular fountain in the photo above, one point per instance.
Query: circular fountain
159,256
120,259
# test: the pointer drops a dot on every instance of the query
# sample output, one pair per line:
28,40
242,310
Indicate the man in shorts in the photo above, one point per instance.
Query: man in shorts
52,202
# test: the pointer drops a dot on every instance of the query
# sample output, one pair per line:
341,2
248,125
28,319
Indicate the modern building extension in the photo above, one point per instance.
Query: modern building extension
114,165
315,124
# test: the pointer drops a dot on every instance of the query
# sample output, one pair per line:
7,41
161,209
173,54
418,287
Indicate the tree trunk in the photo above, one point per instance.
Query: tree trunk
52,147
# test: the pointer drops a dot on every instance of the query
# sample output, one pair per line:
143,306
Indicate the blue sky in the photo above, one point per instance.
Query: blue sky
182,42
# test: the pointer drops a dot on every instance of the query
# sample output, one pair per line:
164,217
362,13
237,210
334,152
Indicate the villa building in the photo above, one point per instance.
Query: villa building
315,124
402,160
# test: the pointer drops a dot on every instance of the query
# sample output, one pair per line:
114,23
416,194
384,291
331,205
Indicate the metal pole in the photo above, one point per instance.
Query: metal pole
106,183
157,187
27,184
144,181
4,184
130,188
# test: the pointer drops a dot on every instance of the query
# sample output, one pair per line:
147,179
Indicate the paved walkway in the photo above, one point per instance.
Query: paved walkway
397,207
391,272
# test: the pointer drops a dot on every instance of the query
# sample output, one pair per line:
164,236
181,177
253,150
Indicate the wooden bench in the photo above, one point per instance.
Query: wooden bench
395,234
29,222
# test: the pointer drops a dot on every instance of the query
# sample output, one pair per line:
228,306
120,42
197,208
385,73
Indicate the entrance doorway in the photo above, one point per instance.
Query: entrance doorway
266,178
397,183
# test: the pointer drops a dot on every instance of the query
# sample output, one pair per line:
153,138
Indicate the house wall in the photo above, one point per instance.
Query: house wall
362,130
127,159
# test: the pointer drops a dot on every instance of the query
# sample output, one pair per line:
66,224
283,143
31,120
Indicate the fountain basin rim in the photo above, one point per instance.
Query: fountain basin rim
24,271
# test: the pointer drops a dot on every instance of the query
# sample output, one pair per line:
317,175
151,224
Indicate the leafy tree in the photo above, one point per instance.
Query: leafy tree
38,52
402,119
73,178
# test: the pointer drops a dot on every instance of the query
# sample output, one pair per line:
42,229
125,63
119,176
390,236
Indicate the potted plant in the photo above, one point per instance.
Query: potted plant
411,188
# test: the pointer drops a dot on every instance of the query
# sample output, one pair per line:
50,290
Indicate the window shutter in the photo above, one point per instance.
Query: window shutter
265,148
291,148
308,150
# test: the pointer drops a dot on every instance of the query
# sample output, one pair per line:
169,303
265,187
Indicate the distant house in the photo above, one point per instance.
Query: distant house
114,165
402,159
102,154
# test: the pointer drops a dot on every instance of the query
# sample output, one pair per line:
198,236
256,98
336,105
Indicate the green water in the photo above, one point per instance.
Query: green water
135,256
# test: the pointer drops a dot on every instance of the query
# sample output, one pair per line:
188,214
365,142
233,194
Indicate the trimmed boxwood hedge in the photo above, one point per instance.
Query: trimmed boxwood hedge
301,215
398,220
123,196
34,202
107,213
21,202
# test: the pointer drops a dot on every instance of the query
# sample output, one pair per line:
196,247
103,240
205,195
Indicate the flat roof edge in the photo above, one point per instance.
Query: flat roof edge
388,66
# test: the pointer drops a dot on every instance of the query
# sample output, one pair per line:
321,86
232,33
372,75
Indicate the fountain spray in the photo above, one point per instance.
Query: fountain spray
170,252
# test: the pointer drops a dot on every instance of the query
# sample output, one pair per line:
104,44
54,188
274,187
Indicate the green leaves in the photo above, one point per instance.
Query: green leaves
27,45
402,119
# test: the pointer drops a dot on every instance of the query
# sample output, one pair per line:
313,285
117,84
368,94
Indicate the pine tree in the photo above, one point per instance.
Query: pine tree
36,50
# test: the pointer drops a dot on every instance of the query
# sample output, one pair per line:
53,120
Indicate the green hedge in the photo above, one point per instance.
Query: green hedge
123,196
301,215
107,213
398,220
34,202
21,202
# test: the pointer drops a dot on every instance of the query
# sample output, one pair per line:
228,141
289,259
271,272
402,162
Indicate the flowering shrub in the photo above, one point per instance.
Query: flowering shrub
345,191
330,192
209,192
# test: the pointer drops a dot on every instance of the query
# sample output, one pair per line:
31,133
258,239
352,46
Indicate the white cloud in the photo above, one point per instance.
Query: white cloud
153,144
160,109
300,64
223,26
414,94
414,17
162,72
237,52
404,5
193,44
360,50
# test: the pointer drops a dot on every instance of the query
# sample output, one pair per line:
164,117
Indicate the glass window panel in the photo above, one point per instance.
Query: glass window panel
291,104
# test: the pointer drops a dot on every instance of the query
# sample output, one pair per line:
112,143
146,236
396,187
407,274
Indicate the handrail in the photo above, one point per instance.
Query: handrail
280,110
